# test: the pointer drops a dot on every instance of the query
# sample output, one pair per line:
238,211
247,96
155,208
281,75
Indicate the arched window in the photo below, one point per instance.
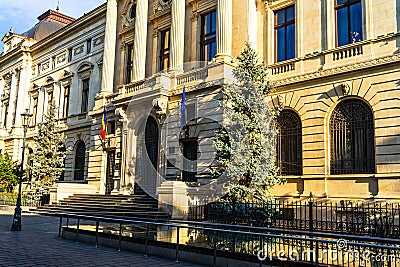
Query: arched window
62,175
288,146
352,138
80,151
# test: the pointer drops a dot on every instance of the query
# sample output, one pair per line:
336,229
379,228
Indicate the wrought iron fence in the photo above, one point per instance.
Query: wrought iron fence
197,213
29,199
371,218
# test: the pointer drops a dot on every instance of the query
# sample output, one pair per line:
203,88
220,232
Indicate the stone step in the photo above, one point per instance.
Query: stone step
123,204
106,213
98,207
94,211
141,203
139,206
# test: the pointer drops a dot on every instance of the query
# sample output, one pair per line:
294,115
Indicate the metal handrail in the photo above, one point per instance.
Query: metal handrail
242,230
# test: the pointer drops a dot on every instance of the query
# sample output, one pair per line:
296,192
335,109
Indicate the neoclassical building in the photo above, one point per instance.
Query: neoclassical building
335,64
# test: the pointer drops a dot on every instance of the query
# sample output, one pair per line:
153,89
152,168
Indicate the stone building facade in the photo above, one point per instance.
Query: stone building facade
60,60
335,64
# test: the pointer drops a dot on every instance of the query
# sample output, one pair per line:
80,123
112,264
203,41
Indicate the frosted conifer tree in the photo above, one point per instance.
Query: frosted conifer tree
246,149
49,150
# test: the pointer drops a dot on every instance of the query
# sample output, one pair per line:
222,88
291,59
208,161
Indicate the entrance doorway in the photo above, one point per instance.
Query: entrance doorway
110,171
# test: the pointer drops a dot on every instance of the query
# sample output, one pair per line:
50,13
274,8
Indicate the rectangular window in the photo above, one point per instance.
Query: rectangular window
88,46
66,102
164,49
348,21
190,111
285,34
208,36
111,127
129,64
5,115
35,109
53,62
49,100
69,54
85,95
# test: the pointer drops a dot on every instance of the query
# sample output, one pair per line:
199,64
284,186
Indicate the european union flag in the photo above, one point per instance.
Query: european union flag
183,109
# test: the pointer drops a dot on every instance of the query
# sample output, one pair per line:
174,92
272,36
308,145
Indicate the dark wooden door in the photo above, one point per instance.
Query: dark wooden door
151,139
110,171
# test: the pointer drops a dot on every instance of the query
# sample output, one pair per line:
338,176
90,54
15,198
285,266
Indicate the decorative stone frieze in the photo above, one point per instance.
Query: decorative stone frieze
161,5
342,69
98,41
45,65
78,50
61,58
278,4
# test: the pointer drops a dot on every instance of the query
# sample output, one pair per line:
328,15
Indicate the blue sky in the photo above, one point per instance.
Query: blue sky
22,14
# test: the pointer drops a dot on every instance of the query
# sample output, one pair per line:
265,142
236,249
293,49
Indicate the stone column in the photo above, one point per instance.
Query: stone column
224,30
139,46
109,48
177,34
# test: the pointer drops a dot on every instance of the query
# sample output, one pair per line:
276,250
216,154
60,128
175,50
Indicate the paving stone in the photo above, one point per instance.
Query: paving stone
37,245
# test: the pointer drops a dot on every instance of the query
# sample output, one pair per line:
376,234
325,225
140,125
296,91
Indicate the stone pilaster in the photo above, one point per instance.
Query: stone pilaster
224,30
109,48
13,99
177,34
139,46
23,89
1,103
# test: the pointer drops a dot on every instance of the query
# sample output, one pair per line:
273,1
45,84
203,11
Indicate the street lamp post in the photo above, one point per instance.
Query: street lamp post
16,226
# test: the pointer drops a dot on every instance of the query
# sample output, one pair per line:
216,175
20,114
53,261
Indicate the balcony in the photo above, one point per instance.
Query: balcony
360,55
165,83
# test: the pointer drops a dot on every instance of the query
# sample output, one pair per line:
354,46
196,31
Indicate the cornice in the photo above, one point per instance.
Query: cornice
278,4
95,14
339,70
160,14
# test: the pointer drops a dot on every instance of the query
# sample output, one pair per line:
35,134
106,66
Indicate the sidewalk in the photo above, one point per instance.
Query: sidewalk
37,245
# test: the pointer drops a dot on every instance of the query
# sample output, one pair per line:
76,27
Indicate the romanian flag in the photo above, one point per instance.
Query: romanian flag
103,125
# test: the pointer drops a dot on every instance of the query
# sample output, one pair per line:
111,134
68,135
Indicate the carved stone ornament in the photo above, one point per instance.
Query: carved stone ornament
85,70
160,104
7,81
161,5
98,41
281,100
45,65
121,113
78,50
128,15
345,88
61,58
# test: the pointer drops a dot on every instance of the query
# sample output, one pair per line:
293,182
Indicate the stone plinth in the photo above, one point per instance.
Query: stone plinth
172,197
61,191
